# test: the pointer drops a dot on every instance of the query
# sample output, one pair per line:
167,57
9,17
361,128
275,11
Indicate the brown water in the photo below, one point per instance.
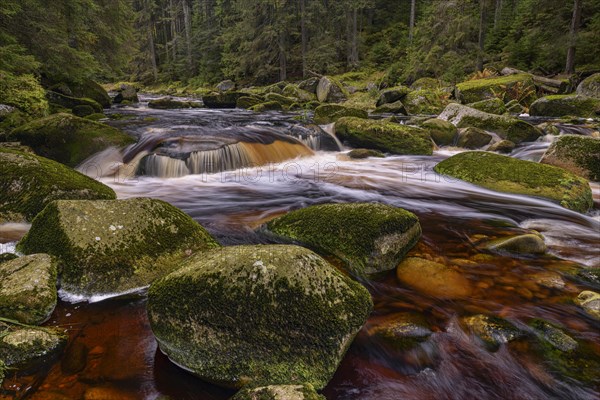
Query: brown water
113,355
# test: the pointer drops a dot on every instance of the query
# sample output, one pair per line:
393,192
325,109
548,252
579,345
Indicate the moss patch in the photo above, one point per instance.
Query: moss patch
506,174
566,105
279,392
23,92
329,113
25,347
442,132
518,87
575,153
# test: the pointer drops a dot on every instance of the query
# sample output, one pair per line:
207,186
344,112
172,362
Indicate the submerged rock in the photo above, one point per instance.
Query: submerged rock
359,154
222,100
553,335
433,279
590,302
384,136
473,138
403,332
530,244
565,105
257,315
24,348
493,331
505,126
510,86
367,237
68,139
279,392
590,86
28,183
328,113
506,174
575,153
330,91
114,246
28,288
442,132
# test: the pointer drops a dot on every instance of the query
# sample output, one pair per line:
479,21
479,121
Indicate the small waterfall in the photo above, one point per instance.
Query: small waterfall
330,130
162,166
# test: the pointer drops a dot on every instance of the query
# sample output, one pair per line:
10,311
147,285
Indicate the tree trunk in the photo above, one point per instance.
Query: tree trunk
304,35
411,26
172,12
575,21
282,57
354,49
482,17
497,13
187,22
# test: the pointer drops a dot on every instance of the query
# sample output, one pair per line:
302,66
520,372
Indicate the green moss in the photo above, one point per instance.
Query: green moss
23,92
114,246
72,102
392,95
68,139
392,108
426,102
590,86
257,315
267,106
92,90
279,392
519,87
328,113
95,117
83,111
26,347
168,103
566,105
492,330
248,101
28,183
442,132
384,136
492,106
293,91
367,237
575,153
510,175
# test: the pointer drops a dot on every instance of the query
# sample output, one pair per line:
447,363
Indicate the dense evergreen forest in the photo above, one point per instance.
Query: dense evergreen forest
201,42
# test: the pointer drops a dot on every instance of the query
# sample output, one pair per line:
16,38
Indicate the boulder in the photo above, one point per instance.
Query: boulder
28,288
491,106
391,108
442,132
367,237
285,102
590,87
590,302
279,392
225,86
392,95
505,126
518,86
168,103
527,245
553,335
68,139
510,175
295,92
328,113
83,111
384,135
493,331
257,315
248,102
565,105
109,247
359,154
267,106
28,183
503,146
427,83
72,102
331,91
25,348
310,85
425,102
127,93
433,279
222,100
577,154
473,138
91,90
403,331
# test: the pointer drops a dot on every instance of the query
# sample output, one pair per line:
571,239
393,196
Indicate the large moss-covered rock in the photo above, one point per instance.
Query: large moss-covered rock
68,139
310,85
114,246
28,183
565,105
328,113
391,108
473,138
590,86
28,288
384,136
442,132
267,106
23,92
575,153
330,91
433,279
295,92
492,106
248,101
392,95
169,103
505,126
126,93
23,348
91,90
425,102
510,175
279,392
257,315
72,102
517,86
222,100
367,237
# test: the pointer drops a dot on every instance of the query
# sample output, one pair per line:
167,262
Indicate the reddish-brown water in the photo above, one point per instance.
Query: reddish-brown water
112,353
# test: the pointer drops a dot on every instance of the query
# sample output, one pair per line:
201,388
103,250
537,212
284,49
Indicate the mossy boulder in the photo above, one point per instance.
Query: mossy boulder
310,85
28,183
528,244
28,347
575,153
72,102
293,91
473,138
553,335
328,113
427,83
28,288
403,331
442,132
590,302
491,330
507,127
68,139
281,99
359,154
391,108
331,91
83,111
267,106
565,105
502,146
367,237
279,392
433,278
25,93
510,175
248,102
392,95
492,106
114,246
91,90
384,135
425,102
590,87
257,315
518,86
127,93
225,86
222,100
168,103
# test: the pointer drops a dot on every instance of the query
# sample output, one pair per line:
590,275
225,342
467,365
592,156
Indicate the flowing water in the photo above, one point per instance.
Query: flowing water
232,170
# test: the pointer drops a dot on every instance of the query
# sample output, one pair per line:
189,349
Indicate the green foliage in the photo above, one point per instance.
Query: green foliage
23,92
